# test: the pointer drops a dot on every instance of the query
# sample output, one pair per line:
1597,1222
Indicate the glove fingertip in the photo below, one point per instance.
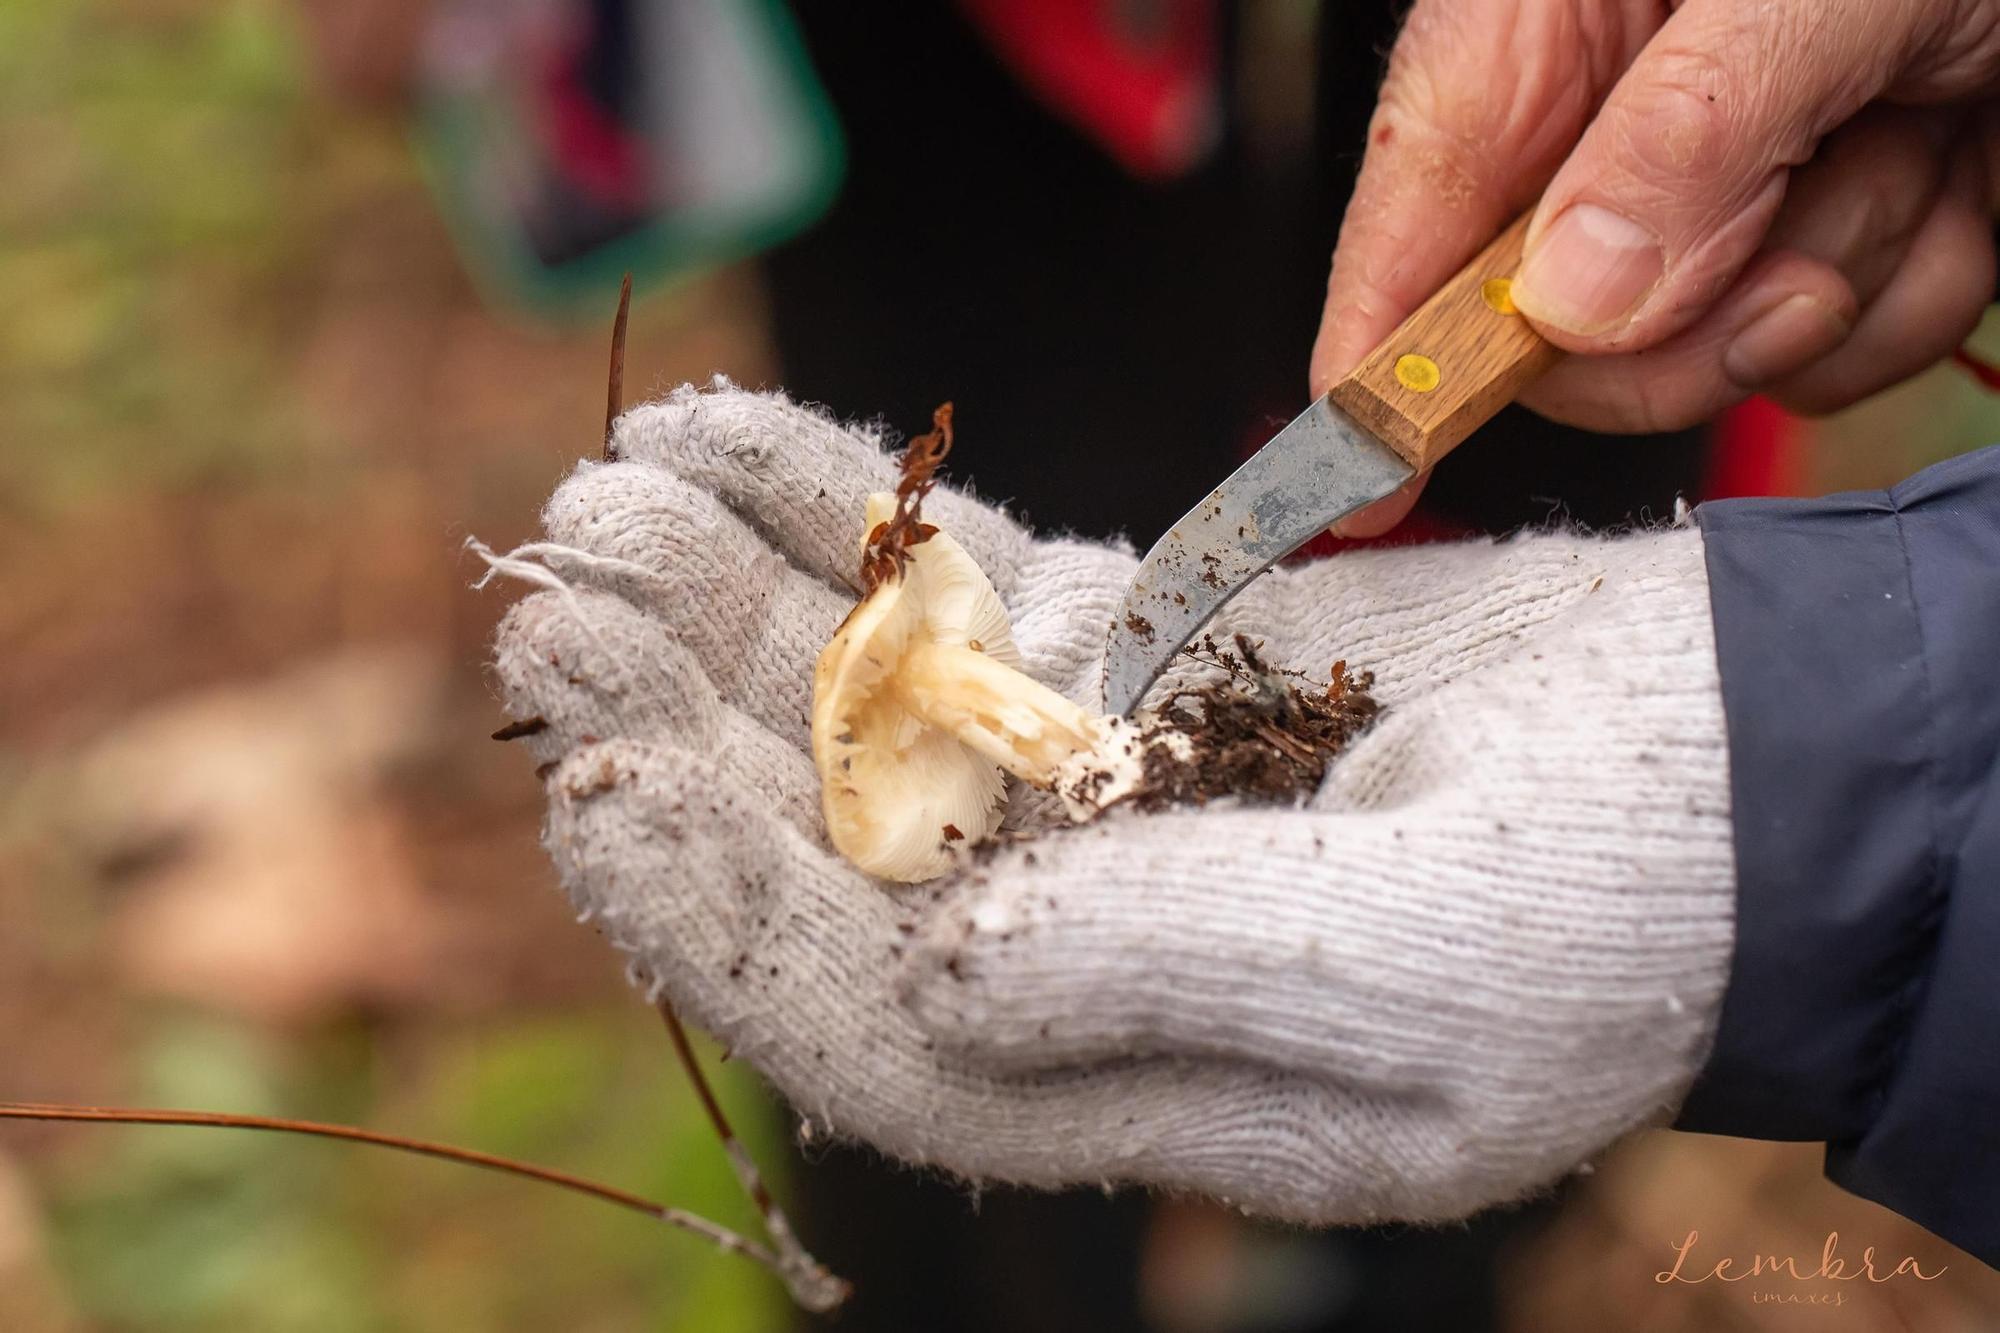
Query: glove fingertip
800,477
590,666
994,975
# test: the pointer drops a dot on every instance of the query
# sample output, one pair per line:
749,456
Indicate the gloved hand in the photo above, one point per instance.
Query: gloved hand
1494,941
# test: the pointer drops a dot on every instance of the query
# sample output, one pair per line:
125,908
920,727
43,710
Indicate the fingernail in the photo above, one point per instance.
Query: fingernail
1589,271
1788,337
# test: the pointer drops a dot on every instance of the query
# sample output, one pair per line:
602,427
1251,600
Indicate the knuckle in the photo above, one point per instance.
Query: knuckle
713,429
609,491
1859,203
1699,129
1441,124
1959,53
593,770
1680,125
651,432
537,637
519,627
1493,93
1751,89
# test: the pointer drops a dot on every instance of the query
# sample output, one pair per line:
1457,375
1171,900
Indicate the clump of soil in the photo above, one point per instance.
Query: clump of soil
1258,732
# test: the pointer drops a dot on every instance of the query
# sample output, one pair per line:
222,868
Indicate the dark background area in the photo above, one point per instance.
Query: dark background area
1115,346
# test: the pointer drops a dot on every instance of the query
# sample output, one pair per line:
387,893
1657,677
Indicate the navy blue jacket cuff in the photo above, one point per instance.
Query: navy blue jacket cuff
1859,643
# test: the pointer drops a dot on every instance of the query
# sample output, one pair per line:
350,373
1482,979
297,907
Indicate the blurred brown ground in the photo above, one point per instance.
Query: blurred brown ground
256,850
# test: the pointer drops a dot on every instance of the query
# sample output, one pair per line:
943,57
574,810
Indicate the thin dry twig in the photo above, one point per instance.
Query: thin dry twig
810,1284
614,391
127,1115
889,544
808,1281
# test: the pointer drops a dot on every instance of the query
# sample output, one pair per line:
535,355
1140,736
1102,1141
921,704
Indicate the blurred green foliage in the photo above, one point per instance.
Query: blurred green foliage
179,1230
156,199
1937,415
170,186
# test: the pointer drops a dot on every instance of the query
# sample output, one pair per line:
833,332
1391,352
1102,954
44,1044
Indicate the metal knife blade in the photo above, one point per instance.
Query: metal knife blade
1320,468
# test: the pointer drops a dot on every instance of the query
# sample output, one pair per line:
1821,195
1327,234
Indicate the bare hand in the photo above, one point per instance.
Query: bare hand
1793,198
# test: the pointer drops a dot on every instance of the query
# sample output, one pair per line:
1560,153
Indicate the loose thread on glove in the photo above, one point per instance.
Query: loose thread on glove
718,1235
527,563
528,553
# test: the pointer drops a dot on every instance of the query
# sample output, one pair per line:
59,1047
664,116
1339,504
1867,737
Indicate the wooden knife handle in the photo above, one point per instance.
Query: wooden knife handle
1459,359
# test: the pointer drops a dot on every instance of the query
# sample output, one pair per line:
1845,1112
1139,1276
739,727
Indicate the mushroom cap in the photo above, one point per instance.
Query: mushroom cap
894,788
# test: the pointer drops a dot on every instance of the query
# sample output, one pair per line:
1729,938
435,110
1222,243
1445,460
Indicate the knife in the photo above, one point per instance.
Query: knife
1441,375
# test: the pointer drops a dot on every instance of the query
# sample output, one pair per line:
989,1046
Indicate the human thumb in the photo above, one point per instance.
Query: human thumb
1674,184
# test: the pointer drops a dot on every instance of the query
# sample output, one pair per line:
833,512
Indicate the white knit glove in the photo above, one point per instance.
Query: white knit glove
1494,941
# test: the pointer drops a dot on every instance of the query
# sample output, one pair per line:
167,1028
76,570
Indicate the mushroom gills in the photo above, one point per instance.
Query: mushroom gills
918,706
1013,720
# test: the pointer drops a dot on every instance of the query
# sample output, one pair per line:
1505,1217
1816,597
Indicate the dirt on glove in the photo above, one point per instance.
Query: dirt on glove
1258,732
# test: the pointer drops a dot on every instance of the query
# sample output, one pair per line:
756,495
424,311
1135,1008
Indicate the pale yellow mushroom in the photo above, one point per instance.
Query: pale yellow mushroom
918,705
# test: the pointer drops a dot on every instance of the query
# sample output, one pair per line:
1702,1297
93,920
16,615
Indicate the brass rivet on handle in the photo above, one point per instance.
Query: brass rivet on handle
1499,294
1417,373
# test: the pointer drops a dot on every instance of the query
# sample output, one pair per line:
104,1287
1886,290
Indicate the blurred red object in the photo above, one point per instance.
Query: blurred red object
1979,368
1137,76
1757,449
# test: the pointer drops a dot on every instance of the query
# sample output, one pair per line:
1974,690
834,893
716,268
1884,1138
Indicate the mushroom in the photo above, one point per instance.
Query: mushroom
919,704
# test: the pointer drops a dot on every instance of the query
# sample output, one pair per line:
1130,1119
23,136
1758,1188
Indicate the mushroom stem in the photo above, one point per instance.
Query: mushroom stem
1009,718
